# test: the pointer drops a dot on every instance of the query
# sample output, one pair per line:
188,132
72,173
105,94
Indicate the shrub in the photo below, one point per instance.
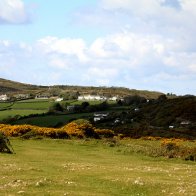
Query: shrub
29,135
104,133
28,131
5,145
170,145
111,142
188,154
80,128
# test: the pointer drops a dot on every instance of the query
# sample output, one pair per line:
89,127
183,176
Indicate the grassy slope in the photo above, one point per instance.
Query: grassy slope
64,167
8,86
24,108
32,105
11,113
16,87
52,120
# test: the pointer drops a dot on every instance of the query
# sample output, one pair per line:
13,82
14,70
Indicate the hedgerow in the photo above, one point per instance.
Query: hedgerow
78,128
28,131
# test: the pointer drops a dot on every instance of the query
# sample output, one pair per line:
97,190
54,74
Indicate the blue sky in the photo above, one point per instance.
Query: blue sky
143,44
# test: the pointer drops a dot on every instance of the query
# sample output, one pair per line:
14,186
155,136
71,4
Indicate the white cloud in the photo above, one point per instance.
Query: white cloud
126,58
67,46
13,11
137,7
189,5
149,44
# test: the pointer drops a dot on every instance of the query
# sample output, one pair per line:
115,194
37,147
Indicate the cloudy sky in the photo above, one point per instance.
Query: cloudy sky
143,44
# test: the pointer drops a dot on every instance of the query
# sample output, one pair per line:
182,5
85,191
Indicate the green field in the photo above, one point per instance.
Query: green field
85,168
11,113
33,100
37,106
32,105
5,105
24,108
93,102
53,120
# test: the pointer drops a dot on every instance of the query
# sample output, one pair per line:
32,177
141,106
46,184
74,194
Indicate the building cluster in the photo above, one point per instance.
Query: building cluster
96,97
4,98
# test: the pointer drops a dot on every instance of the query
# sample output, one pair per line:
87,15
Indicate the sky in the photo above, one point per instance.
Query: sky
143,44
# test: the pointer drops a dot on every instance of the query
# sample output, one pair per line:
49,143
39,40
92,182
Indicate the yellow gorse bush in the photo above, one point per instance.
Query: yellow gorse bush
19,130
74,129
79,128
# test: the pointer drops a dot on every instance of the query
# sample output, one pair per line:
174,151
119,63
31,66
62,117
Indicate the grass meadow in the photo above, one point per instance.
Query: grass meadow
11,113
24,108
52,120
32,105
37,106
92,167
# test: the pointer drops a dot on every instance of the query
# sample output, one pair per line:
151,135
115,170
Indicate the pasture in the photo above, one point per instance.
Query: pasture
38,106
53,120
91,167
24,108
11,113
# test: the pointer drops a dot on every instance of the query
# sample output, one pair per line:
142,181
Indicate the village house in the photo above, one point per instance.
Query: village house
114,98
185,123
22,96
4,97
136,109
59,99
91,97
42,97
72,108
100,116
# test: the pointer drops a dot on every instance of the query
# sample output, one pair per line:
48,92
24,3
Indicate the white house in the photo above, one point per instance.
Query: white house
91,97
113,98
22,96
100,116
4,97
59,99
136,109
186,122
41,97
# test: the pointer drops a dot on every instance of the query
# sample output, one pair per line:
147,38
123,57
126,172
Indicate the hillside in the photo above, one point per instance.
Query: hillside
162,118
8,86
12,87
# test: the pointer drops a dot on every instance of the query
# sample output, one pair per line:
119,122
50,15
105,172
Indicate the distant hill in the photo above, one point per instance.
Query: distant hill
8,86
12,87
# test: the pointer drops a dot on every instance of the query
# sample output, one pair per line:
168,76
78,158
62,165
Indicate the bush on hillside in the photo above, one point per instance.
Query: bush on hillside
5,145
107,133
29,131
81,128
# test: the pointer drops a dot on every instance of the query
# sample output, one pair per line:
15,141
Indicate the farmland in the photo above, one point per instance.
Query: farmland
36,106
23,108
78,167
53,120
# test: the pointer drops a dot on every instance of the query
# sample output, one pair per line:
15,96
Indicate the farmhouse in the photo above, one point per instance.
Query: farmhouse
42,97
22,96
4,97
114,98
100,116
72,108
91,97
185,123
59,99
